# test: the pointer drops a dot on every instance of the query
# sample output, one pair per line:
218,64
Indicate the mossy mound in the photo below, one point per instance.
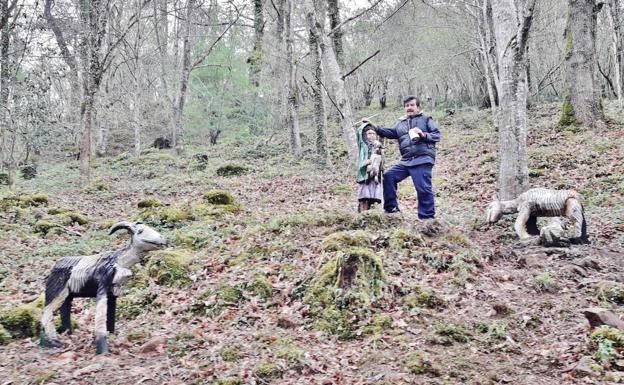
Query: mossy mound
341,293
44,227
286,223
231,170
228,381
610,291
568,116
343,239
167,216
228,293
135,302
169,268
149,202
23,201
218,197
22,321
195,236
378,323
447,334
290,352
28,171
70,217
199,162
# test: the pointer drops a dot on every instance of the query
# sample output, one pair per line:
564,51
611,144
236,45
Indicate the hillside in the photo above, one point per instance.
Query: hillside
232,300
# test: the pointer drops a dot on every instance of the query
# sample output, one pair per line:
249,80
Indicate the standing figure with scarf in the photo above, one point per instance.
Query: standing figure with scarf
417,135
370,167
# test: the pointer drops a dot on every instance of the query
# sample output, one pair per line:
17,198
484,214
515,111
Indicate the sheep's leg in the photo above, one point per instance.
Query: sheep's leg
66,316
520,225
101,308
110,314
49,336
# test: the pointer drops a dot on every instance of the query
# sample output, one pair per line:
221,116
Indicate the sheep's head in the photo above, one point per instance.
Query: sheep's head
494,212
144,238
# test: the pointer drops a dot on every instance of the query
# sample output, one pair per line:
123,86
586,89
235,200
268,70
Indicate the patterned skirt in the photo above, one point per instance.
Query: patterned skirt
370,190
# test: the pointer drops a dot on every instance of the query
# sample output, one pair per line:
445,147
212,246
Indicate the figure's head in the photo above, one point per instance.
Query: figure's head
370,135
411,104
144,238
494,212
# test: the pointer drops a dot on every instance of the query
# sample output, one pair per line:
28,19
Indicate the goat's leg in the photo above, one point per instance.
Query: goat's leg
101,308
574,212
49,336
521,222
66,316
110,314
531,225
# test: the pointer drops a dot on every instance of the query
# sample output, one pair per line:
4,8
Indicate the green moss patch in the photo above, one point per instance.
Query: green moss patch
228,381
267,370
231,353
218,197
260,286
169,268
420,363
447,334
24,200
610,291
606,343
231,170
22,320
343,239
420,297
149,202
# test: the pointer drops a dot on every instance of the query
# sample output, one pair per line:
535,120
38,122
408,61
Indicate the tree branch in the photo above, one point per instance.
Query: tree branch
392,14
361,64
336,28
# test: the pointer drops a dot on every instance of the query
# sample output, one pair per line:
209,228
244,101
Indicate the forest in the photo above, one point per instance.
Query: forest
231,132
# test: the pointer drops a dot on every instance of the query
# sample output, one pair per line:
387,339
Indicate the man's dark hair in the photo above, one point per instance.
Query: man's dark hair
409,98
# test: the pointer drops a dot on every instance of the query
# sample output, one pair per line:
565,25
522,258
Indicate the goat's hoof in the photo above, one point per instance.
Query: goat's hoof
101,346
51,343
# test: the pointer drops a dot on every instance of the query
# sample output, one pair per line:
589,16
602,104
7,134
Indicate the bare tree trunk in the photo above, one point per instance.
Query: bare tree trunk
383,92
581,65
185,71
320,117
292,106
511,28
333,11
255,57
279,102
613,16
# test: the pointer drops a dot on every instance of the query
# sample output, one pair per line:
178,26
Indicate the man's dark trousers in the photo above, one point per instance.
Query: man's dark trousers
421,176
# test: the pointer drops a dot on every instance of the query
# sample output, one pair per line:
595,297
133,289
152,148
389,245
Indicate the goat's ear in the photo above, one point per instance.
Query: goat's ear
122,225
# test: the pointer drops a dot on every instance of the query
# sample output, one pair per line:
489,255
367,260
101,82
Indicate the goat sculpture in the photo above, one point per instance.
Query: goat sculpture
542,202
374,170
101,276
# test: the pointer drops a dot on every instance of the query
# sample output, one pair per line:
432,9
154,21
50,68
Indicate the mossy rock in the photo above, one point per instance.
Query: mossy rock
344,239
169,268
218,197
97,187
168,216
199,162
149,202
207,210
4,178
267,370
420,297
231,170
260,286
22,320
23,201
610,291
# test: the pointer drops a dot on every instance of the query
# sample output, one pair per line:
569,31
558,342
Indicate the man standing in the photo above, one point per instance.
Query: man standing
417,135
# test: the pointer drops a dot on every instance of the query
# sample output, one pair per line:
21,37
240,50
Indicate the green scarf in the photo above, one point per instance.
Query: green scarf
363,154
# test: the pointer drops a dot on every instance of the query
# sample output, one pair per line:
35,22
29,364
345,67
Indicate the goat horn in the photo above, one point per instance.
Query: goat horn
122,225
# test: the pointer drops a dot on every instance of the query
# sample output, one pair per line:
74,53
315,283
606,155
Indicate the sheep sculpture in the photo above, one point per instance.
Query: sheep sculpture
101,276
542,202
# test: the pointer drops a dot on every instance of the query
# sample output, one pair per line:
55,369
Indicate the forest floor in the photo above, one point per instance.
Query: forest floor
229,302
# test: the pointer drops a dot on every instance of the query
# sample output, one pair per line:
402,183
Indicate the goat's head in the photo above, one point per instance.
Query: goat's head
494,212
144,238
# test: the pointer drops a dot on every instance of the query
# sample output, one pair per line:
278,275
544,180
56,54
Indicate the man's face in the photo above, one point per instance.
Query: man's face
411,109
